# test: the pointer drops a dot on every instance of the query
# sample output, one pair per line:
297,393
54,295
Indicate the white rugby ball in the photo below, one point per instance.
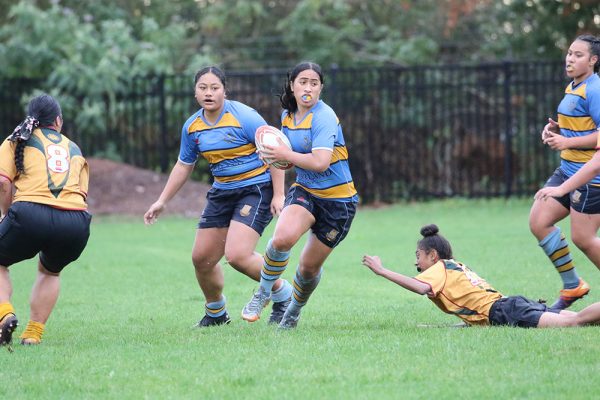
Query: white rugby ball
268,135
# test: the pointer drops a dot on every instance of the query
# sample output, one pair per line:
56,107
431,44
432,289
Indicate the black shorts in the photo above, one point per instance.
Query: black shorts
59,236
332,218
585,199
517,311
250,205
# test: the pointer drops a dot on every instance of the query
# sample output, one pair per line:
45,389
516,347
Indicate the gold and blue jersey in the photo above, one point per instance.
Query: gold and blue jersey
320,129
460,291
228,146
579,115
56,173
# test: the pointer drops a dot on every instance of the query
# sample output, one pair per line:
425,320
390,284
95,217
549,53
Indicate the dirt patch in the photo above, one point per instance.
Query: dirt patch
117,188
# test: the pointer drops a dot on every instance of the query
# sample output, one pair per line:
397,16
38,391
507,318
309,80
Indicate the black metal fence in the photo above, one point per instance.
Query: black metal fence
416,132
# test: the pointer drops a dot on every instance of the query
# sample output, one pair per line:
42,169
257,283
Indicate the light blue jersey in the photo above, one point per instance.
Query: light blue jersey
579,115
228,146
320,129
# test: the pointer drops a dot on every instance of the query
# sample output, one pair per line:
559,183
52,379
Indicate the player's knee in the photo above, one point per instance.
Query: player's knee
282,242
583,242
237,259
202,262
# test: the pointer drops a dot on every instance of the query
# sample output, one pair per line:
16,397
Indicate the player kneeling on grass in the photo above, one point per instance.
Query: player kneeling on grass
456,289
47,215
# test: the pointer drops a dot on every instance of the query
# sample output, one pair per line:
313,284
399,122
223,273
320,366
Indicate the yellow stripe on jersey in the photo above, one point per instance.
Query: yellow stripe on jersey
289,123
577,124
241,177
580,91
342,191
339,153
226,120
219,155
559,253
580,156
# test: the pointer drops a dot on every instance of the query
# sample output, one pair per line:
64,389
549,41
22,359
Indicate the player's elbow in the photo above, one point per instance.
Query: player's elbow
322,166
5,183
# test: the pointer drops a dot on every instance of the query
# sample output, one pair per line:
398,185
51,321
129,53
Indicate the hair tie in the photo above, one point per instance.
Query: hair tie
23,131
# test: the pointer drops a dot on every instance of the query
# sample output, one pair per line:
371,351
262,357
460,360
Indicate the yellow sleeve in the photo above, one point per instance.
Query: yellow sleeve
7,160
435,276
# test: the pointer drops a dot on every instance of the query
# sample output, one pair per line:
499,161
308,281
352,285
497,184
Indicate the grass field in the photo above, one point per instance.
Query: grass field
122,326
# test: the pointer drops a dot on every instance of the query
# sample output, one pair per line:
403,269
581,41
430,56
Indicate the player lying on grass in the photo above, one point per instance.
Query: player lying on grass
456,289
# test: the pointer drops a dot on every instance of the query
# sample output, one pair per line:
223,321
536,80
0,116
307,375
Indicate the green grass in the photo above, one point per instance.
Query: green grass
122,326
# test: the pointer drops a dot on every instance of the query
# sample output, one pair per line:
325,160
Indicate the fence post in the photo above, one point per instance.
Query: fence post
508,178
164,164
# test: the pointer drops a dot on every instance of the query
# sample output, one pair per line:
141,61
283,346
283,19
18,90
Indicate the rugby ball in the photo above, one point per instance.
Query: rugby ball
268,135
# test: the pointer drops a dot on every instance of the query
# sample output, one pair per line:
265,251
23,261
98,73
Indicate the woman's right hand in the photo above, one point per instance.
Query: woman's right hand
551,128
153,212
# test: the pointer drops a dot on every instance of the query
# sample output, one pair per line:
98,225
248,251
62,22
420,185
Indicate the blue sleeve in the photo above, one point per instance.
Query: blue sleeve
250,123
593,97
188,151
324,130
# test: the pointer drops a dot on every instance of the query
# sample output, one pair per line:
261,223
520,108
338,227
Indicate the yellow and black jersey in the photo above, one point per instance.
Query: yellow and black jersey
56,174
458,290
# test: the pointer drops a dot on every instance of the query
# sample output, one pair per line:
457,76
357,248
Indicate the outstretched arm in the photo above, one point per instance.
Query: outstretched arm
375,265
581,177
179,175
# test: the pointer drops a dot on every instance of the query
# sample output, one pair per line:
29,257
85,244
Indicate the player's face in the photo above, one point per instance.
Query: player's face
210,93
425,259
307,88
579,62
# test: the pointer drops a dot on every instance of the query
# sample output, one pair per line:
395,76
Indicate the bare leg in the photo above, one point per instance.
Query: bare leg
209,247
584,228
588,316
240,254
44,294
5,285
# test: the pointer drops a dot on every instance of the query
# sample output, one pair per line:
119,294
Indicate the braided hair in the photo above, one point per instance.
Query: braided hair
41,111
432,240
287,99
594,44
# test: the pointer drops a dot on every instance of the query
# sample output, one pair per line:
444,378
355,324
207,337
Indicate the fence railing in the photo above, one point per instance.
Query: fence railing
414,132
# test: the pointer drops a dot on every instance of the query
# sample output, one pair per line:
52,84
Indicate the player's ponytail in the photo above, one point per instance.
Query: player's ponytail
41,111
594,44
432,240
288,101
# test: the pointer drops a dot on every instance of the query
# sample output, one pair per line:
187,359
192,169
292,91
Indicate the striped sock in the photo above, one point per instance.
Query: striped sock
216,308
283,293
33,333
303,288
557,249
274,265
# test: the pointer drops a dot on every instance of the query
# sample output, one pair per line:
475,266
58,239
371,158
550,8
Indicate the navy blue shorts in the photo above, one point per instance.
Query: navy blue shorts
584,199
517,311
59,236
332,218
250,205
